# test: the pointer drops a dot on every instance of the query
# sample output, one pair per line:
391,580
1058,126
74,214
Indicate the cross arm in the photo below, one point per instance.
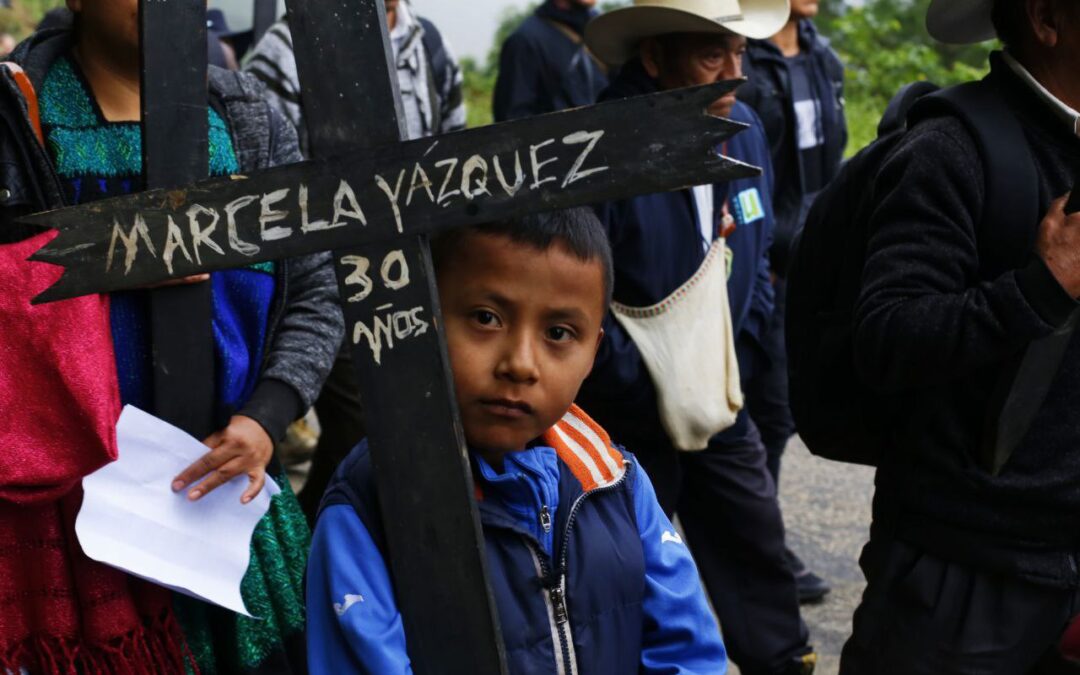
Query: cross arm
648,144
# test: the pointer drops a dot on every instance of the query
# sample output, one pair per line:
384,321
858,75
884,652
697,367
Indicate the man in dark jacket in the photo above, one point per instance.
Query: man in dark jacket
544,65
971,569
723,494
796,85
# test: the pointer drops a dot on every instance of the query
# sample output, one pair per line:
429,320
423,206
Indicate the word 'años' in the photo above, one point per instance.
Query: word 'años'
389,326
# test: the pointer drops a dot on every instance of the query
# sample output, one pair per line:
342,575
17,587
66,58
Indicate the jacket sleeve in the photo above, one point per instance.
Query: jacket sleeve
924,318
354,625
519,80
680,634
272,61
310,329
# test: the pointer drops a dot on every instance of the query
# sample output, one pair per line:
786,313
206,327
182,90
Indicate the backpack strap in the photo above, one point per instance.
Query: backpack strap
1010,206
1011,195
899,108
26,87
576,39
438,63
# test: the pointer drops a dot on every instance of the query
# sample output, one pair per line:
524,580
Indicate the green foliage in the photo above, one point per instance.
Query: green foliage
884,45
478,89
19,20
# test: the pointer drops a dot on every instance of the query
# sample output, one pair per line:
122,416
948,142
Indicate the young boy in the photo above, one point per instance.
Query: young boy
610,589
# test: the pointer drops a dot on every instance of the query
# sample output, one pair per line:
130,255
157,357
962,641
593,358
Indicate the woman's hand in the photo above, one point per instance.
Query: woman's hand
242,448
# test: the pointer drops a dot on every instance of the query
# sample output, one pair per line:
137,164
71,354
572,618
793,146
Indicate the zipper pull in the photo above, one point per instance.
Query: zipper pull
558,604
545,518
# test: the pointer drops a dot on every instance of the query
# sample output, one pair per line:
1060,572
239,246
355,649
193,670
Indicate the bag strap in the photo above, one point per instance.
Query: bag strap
435,50
1010,206
26,87
1011,196
896,114
437,67
577,40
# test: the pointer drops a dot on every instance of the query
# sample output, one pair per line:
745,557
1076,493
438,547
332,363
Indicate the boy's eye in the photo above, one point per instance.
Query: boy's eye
560,334
486,318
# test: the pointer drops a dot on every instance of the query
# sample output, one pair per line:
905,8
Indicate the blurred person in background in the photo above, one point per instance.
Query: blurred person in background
796,86
545,65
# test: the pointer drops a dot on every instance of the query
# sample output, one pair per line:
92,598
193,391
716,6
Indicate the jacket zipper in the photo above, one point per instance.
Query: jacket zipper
556,606
556,587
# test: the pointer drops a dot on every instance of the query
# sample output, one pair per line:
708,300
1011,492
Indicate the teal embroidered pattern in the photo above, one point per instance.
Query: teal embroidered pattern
86,145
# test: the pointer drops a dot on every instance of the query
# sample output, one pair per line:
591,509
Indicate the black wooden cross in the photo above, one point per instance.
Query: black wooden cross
374,199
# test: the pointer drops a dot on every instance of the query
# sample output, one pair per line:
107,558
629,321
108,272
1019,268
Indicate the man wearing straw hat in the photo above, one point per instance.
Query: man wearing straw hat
973,564
693,299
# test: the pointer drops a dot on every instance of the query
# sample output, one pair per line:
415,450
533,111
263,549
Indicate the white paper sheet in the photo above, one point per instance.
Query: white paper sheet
131,519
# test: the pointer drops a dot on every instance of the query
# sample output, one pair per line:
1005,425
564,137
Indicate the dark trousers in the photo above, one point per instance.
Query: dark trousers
921,615
342,423
726,501
767,388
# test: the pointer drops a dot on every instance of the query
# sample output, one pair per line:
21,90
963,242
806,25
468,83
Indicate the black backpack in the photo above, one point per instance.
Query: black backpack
838,415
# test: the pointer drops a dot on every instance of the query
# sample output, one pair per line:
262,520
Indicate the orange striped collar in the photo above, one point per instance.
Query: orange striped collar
586,448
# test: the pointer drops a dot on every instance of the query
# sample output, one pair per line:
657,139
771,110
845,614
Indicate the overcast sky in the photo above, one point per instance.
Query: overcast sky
469,25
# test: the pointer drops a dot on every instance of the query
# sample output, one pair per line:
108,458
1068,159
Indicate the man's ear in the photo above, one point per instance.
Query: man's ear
651,57
1045,18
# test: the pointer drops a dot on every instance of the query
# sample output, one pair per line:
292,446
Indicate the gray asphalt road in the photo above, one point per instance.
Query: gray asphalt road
827,513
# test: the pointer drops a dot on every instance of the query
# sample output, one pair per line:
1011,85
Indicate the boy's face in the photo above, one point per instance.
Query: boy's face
522,327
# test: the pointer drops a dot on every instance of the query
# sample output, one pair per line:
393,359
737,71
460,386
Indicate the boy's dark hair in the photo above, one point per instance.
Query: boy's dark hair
578,229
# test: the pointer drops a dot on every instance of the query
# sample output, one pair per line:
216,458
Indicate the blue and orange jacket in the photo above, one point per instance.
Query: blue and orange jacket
589,576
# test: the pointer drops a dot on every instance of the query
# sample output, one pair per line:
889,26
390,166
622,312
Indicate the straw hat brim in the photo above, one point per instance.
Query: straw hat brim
614,37
960,22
